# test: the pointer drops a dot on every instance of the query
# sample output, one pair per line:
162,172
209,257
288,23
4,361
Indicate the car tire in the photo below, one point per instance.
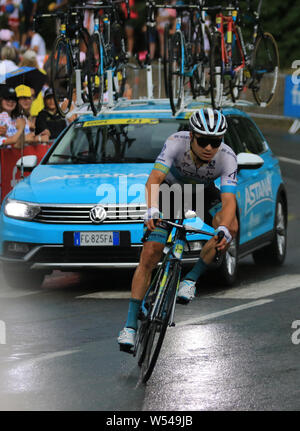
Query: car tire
227,271
22,279
274,254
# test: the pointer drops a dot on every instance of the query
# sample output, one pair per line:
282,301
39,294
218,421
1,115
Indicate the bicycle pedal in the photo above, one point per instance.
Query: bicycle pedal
126,348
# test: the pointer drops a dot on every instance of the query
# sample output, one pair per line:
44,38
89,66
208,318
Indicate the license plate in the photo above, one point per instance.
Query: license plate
96,239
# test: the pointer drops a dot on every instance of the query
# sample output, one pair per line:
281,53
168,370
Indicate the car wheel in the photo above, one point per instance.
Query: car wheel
274,254
24,279
227,271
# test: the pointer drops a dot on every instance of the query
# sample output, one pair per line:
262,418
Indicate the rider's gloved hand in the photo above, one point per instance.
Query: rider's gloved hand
152,214
226,240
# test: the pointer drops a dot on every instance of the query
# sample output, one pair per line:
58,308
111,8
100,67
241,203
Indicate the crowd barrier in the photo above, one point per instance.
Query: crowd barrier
10,174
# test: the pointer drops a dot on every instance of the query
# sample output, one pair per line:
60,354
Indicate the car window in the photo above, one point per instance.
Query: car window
116,143
232,138
250,140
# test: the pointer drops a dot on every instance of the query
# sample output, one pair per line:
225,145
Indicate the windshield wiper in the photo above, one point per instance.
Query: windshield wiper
73,158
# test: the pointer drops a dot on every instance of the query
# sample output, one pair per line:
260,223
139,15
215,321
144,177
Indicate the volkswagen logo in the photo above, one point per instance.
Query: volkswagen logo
97,214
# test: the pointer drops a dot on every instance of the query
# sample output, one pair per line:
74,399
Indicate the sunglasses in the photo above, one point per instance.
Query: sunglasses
203,141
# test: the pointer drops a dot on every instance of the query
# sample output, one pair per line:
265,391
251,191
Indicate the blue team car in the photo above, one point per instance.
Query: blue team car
82,206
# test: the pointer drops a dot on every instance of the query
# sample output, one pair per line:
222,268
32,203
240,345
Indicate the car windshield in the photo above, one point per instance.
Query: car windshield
114,141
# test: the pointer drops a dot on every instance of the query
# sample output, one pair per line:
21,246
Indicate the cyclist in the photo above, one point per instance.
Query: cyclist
198,156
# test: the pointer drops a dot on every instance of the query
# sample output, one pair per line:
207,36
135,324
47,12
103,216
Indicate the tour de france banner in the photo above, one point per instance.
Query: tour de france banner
10,174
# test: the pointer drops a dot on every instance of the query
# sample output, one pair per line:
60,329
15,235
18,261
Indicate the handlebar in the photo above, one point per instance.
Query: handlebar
187,229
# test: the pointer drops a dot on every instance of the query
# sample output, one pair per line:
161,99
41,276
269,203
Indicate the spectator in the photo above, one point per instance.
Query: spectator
164,17
130,25
11,127
29,60
49,119
11,9
38,45
5,36
24,96
8,58
28,10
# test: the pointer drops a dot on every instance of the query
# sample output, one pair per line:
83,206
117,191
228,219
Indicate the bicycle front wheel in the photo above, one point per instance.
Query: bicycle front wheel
158,326
62,75
119,59
265,69
200,83
216,72
176,72
166,57
95,75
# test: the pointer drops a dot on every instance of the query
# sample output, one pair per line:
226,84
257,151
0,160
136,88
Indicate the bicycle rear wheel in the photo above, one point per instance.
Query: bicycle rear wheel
166,57
119,58
62,75
265,68
176,72
158,326
200,83
216,72
95,75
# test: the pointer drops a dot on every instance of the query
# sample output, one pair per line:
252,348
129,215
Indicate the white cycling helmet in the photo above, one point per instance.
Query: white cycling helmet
208,122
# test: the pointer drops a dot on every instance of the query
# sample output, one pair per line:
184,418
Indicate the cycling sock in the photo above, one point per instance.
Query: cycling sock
196,271
134,306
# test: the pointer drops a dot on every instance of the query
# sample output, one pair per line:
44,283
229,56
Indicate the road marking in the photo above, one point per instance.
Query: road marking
45,357
287,160
106,295
261,289
231,310
11,294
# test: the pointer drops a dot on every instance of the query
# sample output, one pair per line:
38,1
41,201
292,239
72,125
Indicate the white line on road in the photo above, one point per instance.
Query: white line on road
45,357
231,310
261,289
106,295
287,160
11,294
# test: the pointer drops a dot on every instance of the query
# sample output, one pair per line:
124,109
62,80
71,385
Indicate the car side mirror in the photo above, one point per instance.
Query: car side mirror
29,163
249,161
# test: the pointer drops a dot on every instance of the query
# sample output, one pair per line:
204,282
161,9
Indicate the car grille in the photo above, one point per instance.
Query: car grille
80,214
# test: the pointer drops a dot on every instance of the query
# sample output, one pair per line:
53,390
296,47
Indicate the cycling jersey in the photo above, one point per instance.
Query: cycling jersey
176,161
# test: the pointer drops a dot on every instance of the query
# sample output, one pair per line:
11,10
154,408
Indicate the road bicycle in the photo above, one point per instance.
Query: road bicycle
158,306
106,53
187,55
69,60
236,65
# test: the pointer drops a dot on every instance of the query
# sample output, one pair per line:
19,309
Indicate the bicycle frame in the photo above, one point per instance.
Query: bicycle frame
107,63
227,24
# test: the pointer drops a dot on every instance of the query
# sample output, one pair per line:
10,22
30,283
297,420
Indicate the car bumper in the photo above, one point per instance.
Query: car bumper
19,247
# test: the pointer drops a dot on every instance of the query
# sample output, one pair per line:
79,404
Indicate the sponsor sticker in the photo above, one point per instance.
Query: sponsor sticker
120,121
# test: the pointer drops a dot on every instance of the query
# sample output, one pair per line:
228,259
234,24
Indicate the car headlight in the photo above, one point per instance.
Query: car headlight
21,210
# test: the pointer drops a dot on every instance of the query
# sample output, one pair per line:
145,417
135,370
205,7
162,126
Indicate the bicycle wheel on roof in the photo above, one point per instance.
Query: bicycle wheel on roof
62,75
216,72
201,45
118,42
95,74
176,71
265,69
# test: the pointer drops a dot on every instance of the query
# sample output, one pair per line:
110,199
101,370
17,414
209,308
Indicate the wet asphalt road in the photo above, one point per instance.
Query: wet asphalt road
230,350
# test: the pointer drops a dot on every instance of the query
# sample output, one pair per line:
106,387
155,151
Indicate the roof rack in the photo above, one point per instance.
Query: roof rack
135,106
